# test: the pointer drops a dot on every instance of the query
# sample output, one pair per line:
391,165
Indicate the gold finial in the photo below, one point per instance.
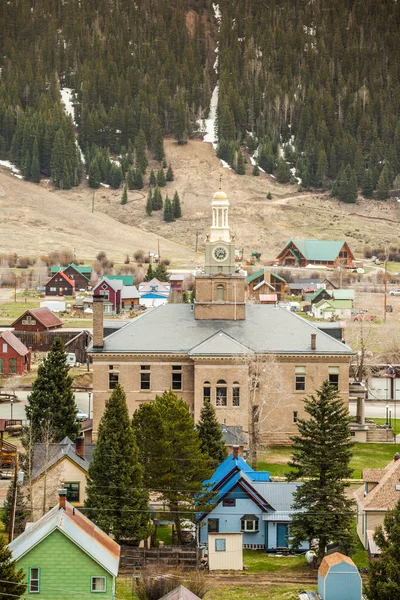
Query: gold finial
220,179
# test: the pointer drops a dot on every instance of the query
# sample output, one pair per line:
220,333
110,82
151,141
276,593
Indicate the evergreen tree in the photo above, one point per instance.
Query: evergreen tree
157,143
240,164
164,163
269,196
94,175
368,184
26,167
124,199
51,404
171,454
322,168
138,180
170,174
116,176
256,170
21,510
161,182
161,272
176,206
320,458
157,199
131,179
116,498
35,165
210,434
181,125
152,179
283,172
384,573
168,213
150,273
352,187
149,204
12,582
382,189
141,153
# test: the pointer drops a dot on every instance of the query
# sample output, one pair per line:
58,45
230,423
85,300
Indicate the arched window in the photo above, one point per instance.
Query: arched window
206,391
236,394
220,293
222,393
1,366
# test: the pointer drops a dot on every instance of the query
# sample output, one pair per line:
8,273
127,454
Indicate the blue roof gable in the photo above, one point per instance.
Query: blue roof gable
226,470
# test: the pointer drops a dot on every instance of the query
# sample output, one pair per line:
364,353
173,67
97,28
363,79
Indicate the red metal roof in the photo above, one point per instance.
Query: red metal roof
44,315
14,342
64,276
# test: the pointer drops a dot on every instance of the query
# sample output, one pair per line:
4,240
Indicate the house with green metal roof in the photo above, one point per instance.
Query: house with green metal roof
265,282
327,253
328,309
81,274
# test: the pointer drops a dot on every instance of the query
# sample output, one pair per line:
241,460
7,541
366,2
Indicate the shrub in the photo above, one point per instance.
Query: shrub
138,255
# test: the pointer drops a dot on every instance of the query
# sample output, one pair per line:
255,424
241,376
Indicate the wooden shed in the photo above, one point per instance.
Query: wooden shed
339,578
225,551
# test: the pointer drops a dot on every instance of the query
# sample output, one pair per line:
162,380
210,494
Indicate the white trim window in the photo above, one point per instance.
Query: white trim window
99,584
249,523
34,580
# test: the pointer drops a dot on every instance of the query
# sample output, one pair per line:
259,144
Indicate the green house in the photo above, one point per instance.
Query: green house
64,555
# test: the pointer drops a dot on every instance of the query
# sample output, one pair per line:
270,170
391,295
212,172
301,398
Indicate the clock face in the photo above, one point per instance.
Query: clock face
220,253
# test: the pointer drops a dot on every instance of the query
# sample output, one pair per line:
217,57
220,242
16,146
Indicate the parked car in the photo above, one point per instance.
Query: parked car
364,317
394,293
81,416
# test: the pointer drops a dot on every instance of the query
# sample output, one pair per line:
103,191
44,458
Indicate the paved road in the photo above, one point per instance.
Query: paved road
81,398
377,409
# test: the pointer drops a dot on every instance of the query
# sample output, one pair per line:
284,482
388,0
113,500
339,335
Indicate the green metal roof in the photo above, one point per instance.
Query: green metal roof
334,304
126,279
317,293
260,273
295,254
318,249
82,269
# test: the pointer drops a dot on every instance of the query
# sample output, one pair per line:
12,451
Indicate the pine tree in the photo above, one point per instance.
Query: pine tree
322,168
94,175
21,510
150,273
210,434
116,498
283,171
161,182
240,164
149,204
384,573
368,184
141,153
269,196
172,456
152,179
157,199
181,126
176,206
131,179
124,199
320,458
138,180
52,402
170,174
168,213
382,189
35,165
256,170
164,163
116,176
12,582
26,167
161,272
157,144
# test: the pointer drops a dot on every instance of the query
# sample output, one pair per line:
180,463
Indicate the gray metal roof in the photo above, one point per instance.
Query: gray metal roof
266,329
279,495
44,457
180,593
77,528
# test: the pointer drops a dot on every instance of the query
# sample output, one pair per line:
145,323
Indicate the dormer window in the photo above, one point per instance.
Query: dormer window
153,288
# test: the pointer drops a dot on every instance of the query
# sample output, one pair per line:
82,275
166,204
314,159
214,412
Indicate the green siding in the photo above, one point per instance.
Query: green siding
64,567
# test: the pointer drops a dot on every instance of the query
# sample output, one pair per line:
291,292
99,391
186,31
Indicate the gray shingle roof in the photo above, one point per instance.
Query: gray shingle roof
266,329
47,457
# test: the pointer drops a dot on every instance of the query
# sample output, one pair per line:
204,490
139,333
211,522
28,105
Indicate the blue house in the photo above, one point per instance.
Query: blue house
248,501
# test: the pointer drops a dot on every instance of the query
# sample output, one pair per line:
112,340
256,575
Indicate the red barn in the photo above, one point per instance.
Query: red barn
60,285
15,358
37,319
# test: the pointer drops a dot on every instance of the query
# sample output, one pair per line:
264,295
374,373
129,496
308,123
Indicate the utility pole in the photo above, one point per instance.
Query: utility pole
197,240
14,501
385,298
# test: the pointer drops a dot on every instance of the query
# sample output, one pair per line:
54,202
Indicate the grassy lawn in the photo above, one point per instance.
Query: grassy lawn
373,456
255,592
259,562
9,311
164,534
393,267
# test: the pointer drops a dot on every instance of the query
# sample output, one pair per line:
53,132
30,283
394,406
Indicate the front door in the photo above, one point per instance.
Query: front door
282,535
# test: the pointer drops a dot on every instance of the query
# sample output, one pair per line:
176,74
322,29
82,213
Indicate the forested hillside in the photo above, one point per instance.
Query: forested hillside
327,73
316,83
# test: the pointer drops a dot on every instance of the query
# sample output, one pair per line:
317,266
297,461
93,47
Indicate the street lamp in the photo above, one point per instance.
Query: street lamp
387,414
12,404
90,397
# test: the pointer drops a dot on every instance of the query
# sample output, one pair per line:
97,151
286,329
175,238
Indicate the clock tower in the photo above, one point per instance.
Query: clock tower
220,291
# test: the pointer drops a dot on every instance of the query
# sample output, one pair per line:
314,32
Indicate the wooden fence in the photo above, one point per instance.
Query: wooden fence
134,559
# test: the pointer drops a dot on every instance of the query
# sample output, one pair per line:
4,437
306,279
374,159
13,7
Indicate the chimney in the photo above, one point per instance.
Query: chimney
396,456
62,495
98,316
313,341
235,452
80,446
